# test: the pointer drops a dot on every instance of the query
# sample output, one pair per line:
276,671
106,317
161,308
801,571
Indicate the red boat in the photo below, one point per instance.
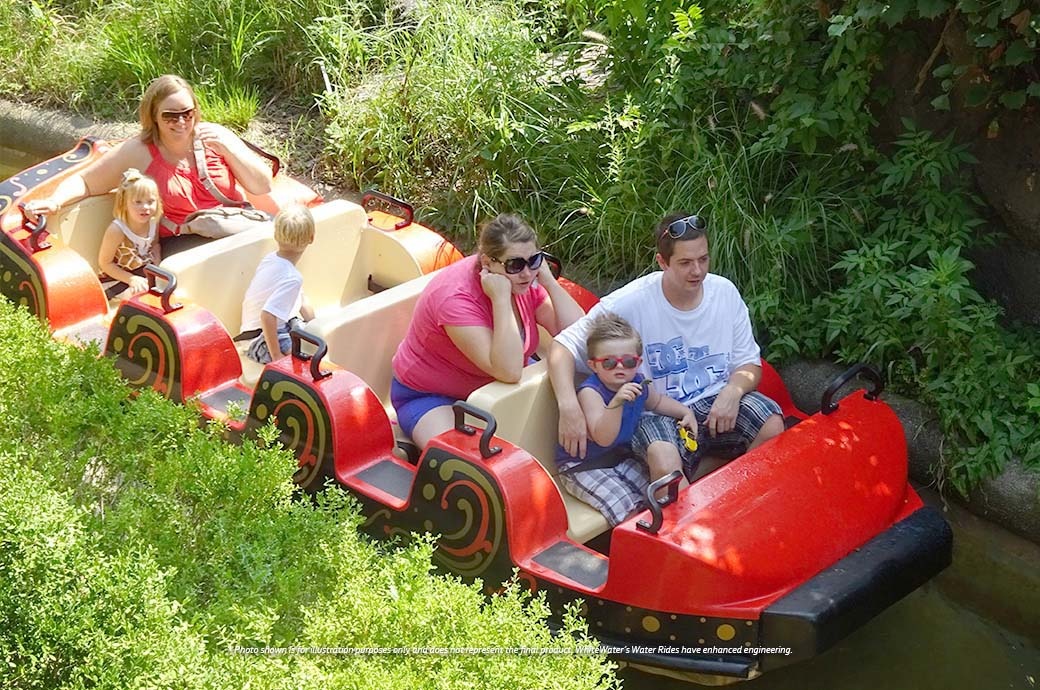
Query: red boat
766,561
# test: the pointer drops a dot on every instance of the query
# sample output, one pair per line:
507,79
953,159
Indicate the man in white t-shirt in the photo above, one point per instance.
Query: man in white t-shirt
698,347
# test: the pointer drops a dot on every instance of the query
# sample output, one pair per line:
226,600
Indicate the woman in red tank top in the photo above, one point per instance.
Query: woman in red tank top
170,125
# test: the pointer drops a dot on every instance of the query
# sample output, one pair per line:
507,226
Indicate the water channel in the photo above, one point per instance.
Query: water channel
927,641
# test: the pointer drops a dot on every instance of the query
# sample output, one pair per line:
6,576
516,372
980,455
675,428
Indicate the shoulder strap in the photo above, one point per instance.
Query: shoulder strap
200,165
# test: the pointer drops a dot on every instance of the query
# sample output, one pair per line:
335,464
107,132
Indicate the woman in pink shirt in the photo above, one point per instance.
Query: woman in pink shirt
476,322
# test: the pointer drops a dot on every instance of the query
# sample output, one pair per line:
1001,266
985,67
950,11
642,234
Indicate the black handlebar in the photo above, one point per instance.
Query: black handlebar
298,335
827,406
462,409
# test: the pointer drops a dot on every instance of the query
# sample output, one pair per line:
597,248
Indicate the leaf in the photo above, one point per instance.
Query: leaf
930,9
896,12
943,70
1018,52
986,40
1013,100
941,102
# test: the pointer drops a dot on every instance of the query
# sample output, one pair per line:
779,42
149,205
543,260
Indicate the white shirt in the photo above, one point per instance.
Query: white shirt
688,355
277,288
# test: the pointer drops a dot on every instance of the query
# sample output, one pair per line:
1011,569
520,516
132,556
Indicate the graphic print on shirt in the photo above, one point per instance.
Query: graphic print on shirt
687,372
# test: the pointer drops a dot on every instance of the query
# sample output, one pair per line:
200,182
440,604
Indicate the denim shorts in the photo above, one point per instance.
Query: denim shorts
411,405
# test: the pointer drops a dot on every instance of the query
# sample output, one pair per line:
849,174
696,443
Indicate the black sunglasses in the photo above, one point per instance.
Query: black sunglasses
517,263
678,228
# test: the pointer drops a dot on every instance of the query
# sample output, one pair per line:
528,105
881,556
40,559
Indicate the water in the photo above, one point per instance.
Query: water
924,642
11,161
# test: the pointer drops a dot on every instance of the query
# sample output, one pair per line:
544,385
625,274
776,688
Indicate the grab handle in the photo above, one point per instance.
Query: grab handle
298,335
409,212
152,273
37,230
462,409
868,372
656,505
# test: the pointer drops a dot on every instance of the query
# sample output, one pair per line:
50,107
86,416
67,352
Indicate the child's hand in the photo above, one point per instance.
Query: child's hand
689,422
138,284
627,393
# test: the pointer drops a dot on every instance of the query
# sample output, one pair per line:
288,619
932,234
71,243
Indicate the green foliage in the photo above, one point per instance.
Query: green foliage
907,302
595,117
142,551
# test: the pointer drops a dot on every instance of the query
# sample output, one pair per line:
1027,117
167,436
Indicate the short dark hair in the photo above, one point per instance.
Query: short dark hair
666,243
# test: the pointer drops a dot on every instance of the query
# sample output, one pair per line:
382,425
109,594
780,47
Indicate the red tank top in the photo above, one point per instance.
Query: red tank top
181,190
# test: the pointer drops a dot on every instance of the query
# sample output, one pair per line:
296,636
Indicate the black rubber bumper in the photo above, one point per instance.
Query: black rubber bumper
842,598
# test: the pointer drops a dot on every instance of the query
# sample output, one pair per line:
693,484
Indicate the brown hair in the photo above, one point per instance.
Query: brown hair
134,185
610,326
666,243
503,230
156,93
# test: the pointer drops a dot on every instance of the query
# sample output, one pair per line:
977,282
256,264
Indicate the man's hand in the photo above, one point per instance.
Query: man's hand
723,414
573,430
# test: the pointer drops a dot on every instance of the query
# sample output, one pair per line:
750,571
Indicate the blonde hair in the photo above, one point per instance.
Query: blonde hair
610,326
134,185
503,230
157,91
294,227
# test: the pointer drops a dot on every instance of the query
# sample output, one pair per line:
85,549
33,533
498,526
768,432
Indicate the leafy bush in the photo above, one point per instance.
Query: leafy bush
142,551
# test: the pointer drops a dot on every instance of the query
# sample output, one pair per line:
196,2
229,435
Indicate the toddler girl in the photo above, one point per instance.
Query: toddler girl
130,242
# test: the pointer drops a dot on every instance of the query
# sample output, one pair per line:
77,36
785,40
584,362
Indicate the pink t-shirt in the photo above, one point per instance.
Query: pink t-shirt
427,359
181,190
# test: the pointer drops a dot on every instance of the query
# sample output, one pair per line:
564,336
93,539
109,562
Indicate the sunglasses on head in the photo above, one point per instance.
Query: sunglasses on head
626,361
172,116
517,263
678,228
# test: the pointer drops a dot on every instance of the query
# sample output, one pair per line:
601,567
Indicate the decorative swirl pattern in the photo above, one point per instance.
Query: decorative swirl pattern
20,279
15,187
145,352
305,425
470,516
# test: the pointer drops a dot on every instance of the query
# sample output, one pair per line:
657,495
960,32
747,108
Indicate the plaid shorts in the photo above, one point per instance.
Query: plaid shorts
616,491
755,409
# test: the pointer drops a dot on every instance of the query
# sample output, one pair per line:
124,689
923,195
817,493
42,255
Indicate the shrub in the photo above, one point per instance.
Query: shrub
155,550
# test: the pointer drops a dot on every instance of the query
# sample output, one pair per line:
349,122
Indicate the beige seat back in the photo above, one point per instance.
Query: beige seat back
82,226
216,274
528,417
362,337
331,267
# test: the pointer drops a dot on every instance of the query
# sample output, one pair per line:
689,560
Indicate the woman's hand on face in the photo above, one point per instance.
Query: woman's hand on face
545,276
495,285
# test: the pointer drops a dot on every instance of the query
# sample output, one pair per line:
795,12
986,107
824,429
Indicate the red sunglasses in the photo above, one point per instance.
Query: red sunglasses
611,362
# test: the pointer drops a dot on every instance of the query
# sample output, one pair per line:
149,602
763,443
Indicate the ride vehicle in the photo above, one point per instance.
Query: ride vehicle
768,560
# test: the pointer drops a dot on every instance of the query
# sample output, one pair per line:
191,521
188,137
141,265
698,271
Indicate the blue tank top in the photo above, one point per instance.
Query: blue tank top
630,415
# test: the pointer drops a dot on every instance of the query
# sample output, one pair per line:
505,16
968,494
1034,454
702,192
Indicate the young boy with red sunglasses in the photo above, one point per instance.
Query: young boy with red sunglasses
610,478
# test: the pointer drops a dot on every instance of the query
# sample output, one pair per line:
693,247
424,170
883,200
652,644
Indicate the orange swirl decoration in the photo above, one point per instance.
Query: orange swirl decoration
465,507
145,351
303,421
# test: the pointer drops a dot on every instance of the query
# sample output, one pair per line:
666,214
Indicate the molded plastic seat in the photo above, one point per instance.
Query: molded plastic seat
528,417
